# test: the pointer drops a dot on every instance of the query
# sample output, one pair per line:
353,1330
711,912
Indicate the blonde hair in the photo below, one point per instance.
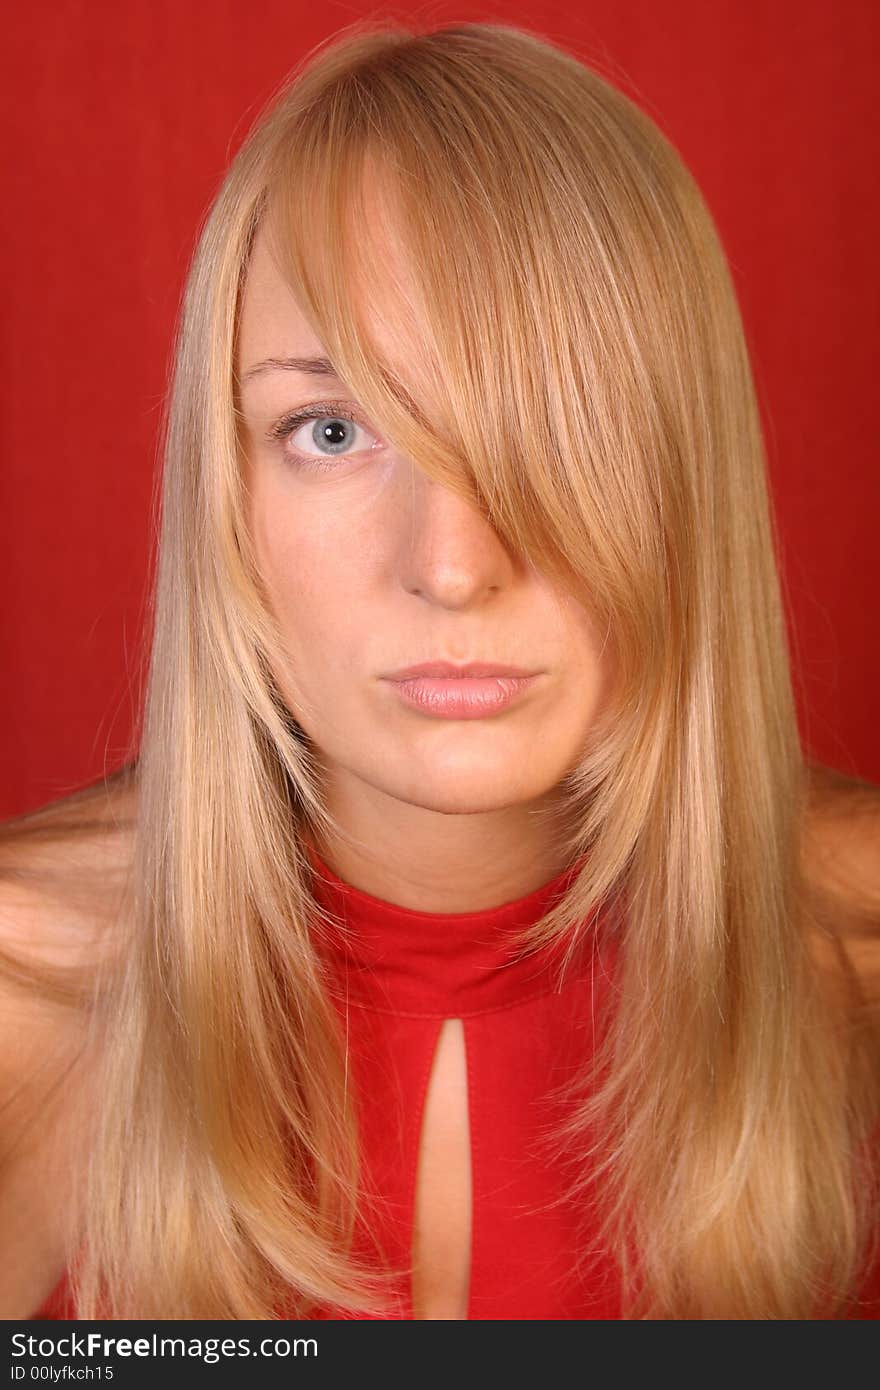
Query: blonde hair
584,377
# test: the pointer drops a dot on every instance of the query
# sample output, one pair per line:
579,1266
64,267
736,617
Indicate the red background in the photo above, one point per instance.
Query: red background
119,121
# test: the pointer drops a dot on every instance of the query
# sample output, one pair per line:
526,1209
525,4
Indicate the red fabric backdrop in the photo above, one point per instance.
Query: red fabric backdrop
118,122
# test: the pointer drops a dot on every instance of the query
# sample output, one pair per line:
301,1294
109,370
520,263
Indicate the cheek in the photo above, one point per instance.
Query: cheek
316,584
593,653
591,661
586,641
306,590
299,562
309,594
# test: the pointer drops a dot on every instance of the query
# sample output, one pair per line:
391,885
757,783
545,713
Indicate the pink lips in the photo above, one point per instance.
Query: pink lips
469,691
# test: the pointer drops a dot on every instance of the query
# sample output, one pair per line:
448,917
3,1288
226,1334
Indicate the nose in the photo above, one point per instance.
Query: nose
450,553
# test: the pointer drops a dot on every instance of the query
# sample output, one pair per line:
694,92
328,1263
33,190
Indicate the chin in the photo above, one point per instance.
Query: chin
463,796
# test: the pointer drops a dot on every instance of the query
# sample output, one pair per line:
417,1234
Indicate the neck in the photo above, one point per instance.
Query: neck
430,861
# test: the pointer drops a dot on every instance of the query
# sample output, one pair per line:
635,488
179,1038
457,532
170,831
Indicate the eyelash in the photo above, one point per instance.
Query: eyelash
321,410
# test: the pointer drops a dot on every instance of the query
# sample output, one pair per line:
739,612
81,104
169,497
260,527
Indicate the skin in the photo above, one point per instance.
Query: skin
371,566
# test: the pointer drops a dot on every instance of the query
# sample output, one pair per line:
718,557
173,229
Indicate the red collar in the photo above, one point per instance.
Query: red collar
401,961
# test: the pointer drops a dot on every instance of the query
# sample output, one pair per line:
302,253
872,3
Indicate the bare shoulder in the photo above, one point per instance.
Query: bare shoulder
63,882
63,872
841,857
63,879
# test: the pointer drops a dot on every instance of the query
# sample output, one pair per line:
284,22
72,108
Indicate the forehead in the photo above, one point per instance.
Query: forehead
272,323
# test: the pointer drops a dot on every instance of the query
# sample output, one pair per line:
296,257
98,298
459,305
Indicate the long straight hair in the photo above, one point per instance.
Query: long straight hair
583,376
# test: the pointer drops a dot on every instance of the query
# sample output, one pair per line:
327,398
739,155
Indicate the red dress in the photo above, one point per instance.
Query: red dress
400,974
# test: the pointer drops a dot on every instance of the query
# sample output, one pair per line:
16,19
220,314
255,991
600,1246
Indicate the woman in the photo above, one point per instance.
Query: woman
431,994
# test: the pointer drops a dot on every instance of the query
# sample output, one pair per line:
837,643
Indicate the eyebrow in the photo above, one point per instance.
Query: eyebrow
307,366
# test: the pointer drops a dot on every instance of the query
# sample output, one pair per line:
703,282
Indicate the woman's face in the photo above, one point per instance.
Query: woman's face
371,567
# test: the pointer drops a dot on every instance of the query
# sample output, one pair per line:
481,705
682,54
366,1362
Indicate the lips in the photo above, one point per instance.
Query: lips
462,696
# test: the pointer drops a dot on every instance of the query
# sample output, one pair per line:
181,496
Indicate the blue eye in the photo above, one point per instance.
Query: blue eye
333,434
